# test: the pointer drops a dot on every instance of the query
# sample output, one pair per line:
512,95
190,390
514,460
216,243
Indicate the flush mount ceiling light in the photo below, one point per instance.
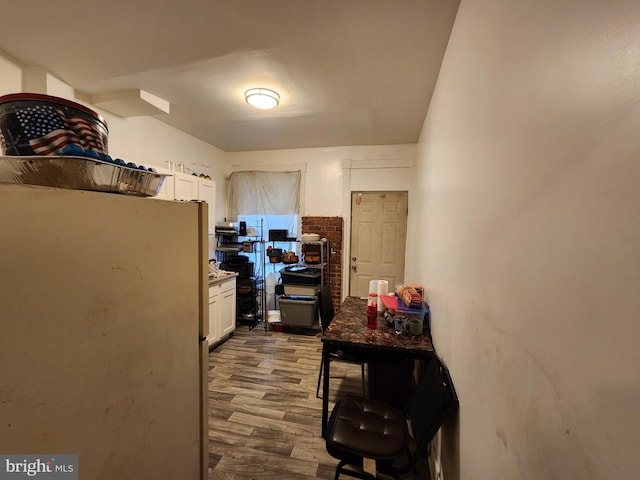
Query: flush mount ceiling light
262,98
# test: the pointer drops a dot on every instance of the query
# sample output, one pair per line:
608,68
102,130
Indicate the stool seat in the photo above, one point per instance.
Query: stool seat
358,421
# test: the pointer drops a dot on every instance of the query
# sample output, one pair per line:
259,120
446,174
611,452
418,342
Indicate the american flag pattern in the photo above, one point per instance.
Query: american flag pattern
49,130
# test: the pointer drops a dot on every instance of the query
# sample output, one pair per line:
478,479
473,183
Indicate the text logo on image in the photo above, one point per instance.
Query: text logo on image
50,467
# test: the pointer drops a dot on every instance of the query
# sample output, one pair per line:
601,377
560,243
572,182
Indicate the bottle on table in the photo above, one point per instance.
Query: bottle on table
372,310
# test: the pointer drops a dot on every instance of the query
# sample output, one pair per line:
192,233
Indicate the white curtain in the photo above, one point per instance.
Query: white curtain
273,196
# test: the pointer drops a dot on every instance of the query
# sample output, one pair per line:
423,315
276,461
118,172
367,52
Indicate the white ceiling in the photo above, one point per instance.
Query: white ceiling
349,72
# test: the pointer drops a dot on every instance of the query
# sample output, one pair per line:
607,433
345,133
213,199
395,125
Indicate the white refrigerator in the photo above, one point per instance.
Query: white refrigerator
103,320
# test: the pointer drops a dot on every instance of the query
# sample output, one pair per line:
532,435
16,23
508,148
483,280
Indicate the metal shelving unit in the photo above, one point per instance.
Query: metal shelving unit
305,250
325,258
250,287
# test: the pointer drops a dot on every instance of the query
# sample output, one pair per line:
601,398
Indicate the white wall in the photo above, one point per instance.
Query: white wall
149,141
142,140
329,176
10,76
324,170
528,184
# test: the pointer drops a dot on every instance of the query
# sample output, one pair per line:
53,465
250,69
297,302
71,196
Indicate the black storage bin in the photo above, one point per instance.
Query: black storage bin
301,275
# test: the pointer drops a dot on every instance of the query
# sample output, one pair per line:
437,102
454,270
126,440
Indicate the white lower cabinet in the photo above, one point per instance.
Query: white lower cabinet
227,308
214,315
222,310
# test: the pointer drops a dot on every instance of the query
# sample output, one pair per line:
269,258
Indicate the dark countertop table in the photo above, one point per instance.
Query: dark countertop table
348,330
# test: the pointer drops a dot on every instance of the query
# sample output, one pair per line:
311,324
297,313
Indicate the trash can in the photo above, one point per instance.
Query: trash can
298,311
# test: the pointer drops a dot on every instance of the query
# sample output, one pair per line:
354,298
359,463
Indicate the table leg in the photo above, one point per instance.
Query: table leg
325,387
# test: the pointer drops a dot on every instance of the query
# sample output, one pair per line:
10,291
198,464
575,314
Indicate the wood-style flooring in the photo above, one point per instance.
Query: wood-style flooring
264,417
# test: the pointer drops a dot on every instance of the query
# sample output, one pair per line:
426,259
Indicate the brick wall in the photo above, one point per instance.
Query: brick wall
330,228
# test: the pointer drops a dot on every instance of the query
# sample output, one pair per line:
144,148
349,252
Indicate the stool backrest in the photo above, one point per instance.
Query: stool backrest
325,307
432,401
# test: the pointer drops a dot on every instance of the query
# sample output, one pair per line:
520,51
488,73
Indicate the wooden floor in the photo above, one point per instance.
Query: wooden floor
264,417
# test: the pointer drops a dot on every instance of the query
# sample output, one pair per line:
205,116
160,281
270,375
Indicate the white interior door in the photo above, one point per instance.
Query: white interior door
378,238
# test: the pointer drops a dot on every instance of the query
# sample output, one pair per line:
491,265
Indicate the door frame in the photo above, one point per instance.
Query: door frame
375,176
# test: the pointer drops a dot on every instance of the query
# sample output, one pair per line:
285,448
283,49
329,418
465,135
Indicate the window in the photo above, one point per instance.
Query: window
273,197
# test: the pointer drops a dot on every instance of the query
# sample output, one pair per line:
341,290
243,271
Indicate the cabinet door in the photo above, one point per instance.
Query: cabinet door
185,186
207,193
214,315
228,308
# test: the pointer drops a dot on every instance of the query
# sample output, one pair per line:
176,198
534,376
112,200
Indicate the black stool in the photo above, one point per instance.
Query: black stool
374,436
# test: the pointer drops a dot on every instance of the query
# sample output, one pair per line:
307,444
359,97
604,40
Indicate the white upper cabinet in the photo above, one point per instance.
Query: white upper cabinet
182,186
207,193
185,186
